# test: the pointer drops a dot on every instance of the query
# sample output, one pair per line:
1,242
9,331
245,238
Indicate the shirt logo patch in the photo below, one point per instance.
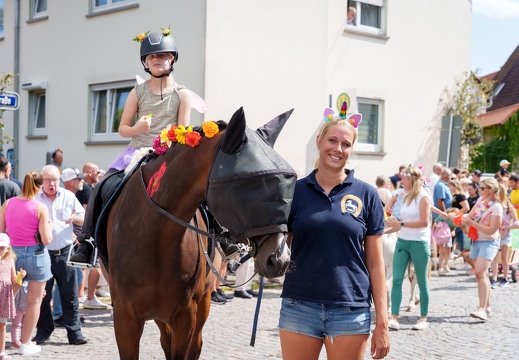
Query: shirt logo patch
351,204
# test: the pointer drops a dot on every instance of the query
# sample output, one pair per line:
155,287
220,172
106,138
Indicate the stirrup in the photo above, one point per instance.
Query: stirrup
93,259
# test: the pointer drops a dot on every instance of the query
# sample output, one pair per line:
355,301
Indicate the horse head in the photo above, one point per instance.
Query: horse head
250,191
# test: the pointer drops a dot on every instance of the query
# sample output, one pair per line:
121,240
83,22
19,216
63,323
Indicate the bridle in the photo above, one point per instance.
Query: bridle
253,245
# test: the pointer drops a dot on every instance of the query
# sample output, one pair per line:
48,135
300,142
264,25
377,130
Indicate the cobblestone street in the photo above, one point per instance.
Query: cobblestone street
452,333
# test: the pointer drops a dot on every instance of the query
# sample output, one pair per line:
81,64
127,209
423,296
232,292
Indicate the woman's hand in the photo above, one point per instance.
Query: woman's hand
466,221
380,342
394,224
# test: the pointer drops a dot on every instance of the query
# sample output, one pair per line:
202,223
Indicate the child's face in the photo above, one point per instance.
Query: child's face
3,251
160,62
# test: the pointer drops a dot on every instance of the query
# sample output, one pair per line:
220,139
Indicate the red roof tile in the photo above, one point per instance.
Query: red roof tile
499,116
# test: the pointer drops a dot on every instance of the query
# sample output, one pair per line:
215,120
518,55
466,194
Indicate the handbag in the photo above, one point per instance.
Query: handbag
442,234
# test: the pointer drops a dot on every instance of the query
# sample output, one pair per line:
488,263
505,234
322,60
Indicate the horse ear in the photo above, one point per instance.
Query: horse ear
270,131
234,137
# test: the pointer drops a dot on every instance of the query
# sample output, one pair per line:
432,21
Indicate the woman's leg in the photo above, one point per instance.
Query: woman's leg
504,261
346,347
420,252
481,270
400,261
296,346
34,298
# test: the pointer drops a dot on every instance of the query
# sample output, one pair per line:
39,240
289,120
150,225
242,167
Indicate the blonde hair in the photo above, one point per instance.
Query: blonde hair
327,125
30,185
500,192
457,186
9,254
415,175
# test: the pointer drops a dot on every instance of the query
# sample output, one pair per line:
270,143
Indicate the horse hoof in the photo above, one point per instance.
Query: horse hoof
410,308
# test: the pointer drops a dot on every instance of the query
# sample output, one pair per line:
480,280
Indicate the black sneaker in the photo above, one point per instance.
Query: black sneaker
224,295
82,255
253,293
217,299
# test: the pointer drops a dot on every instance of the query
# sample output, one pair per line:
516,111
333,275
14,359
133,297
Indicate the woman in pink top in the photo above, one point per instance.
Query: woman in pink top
23,217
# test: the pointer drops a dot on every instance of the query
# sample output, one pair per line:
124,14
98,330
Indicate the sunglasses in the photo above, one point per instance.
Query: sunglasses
484,187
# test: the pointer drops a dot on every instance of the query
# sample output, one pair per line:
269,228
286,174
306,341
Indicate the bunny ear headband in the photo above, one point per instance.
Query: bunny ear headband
354,119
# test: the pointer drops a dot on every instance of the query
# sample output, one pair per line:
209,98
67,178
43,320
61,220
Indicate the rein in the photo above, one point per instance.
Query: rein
205,233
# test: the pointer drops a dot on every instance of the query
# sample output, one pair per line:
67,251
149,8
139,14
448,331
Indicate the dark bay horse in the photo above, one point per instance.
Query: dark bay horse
156,267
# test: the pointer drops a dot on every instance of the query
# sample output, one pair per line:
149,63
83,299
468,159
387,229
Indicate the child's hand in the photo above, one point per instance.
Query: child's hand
143,124
20,275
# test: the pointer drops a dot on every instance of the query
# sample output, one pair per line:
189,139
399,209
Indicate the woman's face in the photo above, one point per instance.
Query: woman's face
452,188
406,181
486,192
335,147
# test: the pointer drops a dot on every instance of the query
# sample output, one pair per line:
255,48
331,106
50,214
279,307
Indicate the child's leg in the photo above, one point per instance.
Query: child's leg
2,334
495,266
504,261
16,327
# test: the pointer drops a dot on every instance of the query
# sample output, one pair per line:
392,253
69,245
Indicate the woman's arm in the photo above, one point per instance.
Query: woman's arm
130,109
377,277
390,203
2,217
184,111
45,226
435,210
464,206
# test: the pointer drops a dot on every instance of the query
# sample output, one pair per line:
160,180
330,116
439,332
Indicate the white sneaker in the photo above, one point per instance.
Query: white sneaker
441,272
82,299
32,348
393,324
102,293
479,314
489,312
94,304
447,269
421,325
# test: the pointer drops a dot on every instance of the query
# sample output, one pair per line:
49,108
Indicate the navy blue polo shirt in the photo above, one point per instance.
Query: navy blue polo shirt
328,232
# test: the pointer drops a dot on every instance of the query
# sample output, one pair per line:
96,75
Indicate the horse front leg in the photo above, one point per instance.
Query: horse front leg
201,316
128,331
415,295
166,338
183,328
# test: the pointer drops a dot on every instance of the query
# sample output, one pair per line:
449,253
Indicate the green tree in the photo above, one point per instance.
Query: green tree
6,81
467,100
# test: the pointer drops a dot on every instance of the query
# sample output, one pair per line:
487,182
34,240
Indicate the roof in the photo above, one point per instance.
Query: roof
509,76
498,116
488,77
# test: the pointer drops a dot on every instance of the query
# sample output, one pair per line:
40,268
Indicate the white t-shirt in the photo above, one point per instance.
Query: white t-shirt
432,183
495,210
410,213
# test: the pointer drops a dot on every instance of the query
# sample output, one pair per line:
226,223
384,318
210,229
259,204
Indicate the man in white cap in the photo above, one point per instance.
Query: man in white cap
503,167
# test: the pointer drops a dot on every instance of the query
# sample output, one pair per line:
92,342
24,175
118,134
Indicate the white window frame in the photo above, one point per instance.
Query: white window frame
36,97
110,4
378,146
110,111
369,29
37,15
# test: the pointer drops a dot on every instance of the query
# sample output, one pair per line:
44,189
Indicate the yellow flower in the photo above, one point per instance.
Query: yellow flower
210,129
167,31
181,133
164,136
141,36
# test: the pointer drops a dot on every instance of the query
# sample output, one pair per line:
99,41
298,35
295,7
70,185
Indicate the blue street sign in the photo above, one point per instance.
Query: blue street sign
9,100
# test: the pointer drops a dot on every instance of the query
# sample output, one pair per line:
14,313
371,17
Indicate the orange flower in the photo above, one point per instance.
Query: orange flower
457,219
210,129
141,36
193,138
473,233
172,136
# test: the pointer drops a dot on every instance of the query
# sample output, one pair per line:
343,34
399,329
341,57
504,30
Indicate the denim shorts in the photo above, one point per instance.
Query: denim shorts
507,240
35,261
320,320
484,249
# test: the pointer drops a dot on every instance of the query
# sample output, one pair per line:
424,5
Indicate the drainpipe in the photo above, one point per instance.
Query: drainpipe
16,114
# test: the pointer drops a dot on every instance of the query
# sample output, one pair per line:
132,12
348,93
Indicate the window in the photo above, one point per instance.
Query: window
108,102
38,113
1,18
102,5
38,9
367,15
370,129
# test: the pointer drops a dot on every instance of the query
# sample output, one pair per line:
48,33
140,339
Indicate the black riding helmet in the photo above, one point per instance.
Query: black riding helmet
156,42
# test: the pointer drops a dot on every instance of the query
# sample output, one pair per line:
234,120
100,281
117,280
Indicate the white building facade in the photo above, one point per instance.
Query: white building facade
76,65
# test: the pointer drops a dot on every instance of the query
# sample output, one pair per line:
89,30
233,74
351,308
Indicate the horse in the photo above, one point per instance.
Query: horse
157,267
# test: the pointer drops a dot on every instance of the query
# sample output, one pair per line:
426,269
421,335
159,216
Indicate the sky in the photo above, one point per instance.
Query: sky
495,34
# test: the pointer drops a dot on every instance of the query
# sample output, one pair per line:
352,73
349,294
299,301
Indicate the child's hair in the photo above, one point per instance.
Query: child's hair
9,254
31,182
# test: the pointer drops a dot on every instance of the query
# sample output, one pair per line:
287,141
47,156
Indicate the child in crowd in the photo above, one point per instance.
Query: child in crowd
20,301
8,287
